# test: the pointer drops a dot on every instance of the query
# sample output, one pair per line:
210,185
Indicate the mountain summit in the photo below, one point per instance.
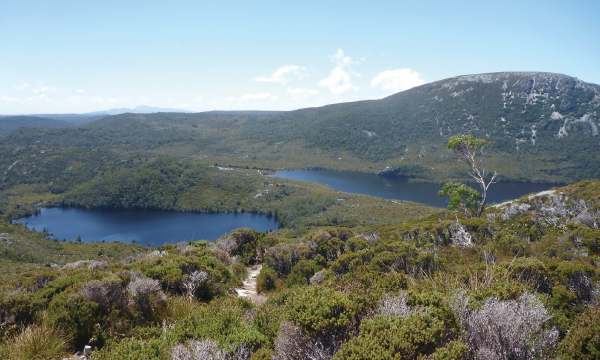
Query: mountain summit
544,118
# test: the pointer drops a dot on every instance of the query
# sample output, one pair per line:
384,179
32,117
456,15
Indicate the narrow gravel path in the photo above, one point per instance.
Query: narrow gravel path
249,288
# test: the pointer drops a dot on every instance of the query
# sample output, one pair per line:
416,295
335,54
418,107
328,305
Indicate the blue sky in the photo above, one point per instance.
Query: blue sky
78,56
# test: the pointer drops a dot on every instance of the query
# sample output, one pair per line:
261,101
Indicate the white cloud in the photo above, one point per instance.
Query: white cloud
44,89
22,86
79,91
279,75
397,80
8,99
341,60
338,81
259,96
303,93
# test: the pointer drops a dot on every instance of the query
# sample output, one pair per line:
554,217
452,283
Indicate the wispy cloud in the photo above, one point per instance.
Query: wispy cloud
259,96
339,81
303,93
279,76
397,80
40,89
22,86
8,99
341,59
79,91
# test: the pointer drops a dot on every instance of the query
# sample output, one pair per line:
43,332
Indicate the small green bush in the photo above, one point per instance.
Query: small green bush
356,244
131,348
266,279
315,308
263,354
385,337
239,271
302,272
583,339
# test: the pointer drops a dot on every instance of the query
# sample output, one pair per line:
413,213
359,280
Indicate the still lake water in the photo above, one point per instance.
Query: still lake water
159,227
400,189
156,227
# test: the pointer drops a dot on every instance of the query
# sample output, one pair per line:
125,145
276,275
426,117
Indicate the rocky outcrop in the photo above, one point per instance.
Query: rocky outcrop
553,206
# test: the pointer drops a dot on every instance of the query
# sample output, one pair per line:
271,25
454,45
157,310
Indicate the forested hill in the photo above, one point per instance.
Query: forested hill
548,115
544,127
9,123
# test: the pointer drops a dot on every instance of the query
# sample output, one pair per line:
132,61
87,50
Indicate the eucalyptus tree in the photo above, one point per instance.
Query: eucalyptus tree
462,197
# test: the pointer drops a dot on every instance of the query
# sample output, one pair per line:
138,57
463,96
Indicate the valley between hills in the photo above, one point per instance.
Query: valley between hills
355,279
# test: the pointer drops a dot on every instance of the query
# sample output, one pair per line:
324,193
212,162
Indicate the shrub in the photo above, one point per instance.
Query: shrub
269,316
174,271
197,284
318,277
266,279
349,261
578,277
583,339
533,272
242,243
293,344
198,349
356,244
77,317
282,258
388,337
223,321
302,272
36,342
106,293
146,295
131,348
263,354
239,271
506,329
394,305
318,309
331,248
509,242
452,351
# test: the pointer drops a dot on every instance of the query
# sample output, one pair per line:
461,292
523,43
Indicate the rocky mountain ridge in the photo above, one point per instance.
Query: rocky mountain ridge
543,126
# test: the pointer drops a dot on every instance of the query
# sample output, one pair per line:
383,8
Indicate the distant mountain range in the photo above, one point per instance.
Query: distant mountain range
80,119
8,122
142,109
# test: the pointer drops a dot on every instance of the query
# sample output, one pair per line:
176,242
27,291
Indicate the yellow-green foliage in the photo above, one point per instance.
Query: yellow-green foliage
36,342
266,279
131,348
429,327
319,309
583,340
173,270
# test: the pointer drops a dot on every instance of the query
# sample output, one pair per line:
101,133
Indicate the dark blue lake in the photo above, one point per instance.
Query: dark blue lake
400,189
156,227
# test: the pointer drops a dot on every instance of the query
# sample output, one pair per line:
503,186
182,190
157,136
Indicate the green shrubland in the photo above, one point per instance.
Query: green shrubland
522,281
